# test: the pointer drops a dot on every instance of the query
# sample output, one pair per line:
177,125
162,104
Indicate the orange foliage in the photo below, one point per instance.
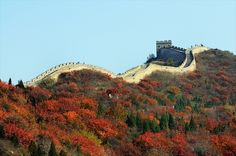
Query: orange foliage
103,128
151,101
2,114
174,89
71,115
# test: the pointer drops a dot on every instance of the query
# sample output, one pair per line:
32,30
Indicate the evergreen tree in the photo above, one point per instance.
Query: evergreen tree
192,125
33,149
10,82
101,109
146,126
20,84
171,123
154,127
2,133
187,127
78,151
52,151
139,124
62,153
180,104
164,121
131,122
15,140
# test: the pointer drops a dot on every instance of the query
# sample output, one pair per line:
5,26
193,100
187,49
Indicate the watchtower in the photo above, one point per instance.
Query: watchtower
163,44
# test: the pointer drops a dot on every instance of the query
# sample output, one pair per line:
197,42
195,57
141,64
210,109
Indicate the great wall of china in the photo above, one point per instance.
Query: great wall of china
133,75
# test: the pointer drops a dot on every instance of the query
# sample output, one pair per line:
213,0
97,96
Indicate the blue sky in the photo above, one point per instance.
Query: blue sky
115,34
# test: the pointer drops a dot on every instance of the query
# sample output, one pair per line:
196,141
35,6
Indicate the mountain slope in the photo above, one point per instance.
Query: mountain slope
92,113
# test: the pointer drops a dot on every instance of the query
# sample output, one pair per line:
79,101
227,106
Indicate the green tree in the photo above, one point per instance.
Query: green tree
192,124
101,109
146,126
33,149
131,120
180,104
2,133
187,127
52,151
10,82
171,122
20,84
78,151
164,121
62,153
154,127
15,140
139,124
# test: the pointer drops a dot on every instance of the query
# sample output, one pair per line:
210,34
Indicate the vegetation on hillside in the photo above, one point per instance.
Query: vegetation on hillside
89,113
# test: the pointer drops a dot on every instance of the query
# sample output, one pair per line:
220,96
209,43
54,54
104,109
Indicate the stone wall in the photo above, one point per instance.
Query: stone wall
133,75
54,72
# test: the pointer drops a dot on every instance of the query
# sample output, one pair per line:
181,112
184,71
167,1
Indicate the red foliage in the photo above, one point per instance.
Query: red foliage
5,88
88,103
225,143
103,128
194,75
24,137
86,114
222,75
154,140
211,124
87,146
215,99
38,94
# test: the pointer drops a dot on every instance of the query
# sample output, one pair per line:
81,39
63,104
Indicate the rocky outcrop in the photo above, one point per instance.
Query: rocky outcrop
8,149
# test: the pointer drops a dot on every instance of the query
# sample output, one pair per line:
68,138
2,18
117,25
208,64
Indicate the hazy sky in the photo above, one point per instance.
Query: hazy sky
115,34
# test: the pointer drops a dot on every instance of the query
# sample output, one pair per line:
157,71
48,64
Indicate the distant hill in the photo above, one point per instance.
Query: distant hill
89,112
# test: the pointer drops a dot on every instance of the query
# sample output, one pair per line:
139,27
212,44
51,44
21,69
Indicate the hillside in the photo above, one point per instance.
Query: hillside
88,112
